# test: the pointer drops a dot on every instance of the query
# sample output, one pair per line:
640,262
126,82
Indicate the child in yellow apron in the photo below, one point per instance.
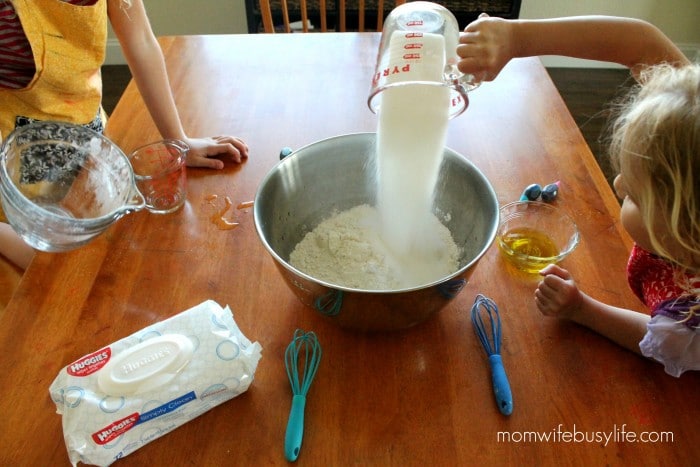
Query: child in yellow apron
68,46
66,86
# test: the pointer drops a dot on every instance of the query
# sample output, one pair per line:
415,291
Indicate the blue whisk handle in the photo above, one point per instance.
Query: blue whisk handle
295,428
501,386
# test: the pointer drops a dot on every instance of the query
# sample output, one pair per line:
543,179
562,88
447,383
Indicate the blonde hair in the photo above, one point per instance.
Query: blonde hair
655,143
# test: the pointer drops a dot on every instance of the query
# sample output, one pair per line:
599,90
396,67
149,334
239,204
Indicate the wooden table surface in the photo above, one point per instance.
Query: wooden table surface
417,397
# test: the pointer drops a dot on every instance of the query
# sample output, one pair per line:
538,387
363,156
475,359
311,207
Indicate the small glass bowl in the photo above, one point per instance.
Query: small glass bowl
532,235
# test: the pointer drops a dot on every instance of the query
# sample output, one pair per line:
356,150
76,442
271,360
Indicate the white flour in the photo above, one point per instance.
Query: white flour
411,135
347,250
400,244
410,144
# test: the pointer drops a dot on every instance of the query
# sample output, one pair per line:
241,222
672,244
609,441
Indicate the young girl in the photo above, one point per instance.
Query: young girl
656,148
51,53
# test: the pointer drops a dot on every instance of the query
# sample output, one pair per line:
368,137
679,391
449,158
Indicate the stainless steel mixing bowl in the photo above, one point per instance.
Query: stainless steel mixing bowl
335,174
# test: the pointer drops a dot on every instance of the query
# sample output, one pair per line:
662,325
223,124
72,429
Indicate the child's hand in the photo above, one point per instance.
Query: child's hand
557,294
485,47
202,149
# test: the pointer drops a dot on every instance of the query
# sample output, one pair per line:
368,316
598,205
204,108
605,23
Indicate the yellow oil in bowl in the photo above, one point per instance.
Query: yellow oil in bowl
527,249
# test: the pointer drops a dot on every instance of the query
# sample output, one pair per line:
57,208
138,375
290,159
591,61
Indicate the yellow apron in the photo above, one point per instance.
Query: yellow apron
68,43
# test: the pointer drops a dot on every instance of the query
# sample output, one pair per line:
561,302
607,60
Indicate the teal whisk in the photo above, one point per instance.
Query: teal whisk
501,386
301,359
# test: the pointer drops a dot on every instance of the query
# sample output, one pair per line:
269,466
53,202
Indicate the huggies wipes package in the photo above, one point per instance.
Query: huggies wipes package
117,399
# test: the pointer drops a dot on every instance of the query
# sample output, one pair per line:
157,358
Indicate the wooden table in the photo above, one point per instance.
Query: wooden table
416,397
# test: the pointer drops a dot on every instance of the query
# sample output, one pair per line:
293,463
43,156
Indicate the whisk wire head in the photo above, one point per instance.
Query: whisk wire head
301,372
492,346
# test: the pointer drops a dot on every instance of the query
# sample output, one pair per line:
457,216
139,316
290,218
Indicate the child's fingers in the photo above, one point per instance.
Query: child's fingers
548,288
238,144
204,162
555,270
546,306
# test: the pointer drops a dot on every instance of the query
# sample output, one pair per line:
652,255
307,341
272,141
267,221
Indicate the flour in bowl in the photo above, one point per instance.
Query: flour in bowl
347,250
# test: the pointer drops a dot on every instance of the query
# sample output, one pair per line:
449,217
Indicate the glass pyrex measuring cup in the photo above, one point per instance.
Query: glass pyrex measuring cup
419,47
61,184
159,171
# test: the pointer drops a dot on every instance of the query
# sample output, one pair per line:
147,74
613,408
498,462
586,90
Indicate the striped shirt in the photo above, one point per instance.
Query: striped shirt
16,59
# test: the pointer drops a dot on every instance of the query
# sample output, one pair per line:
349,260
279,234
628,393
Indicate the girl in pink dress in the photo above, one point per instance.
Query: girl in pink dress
655,145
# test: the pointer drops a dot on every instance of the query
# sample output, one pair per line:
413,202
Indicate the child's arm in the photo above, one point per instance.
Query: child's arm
557,295
487,44
145,59
13,247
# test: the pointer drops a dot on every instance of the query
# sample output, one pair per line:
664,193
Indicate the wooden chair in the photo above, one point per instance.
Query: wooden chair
266,12
351,15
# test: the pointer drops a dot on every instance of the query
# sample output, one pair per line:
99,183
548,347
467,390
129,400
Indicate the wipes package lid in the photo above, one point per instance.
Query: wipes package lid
118,398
